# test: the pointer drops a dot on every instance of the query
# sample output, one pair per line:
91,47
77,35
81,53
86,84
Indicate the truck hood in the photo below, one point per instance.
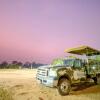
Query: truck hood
45,66
55,67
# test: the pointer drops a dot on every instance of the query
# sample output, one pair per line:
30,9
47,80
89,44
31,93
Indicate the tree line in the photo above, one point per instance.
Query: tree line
19,65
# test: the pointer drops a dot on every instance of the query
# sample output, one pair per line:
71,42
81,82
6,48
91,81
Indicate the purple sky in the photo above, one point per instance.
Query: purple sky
40,30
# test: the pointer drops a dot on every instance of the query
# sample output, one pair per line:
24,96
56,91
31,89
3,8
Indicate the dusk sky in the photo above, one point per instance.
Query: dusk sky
40,30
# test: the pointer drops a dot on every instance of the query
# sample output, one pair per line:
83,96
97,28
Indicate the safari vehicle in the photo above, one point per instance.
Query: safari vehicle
64,72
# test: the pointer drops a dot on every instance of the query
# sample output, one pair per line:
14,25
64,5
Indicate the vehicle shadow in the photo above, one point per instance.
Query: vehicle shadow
83,88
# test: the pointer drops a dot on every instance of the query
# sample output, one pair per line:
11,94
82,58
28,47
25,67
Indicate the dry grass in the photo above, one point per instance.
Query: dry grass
5,94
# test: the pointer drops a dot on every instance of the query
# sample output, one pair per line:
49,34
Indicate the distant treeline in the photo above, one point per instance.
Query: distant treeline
19,65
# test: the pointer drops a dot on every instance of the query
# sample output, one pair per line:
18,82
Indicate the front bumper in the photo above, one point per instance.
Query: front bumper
48,81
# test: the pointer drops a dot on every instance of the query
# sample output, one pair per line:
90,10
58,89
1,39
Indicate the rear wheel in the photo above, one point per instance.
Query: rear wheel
64,86
95,80
98,79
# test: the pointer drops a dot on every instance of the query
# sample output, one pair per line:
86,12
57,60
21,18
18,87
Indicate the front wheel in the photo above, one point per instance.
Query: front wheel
64,86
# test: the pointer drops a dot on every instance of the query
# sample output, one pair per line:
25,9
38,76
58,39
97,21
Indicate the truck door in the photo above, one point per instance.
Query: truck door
79,70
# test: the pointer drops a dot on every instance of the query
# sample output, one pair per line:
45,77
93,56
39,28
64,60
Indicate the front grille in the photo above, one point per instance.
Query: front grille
42,72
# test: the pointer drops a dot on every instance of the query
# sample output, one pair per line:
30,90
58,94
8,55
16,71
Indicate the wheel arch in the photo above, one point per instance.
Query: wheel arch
64,76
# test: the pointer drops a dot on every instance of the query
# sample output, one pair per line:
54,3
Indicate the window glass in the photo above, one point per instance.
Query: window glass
77,63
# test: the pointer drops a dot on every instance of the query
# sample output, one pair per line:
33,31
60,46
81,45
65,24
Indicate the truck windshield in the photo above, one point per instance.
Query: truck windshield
57,62
63,62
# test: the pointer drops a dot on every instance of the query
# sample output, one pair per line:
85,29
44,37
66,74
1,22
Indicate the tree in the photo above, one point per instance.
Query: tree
27,65
15,65
14,62
4,64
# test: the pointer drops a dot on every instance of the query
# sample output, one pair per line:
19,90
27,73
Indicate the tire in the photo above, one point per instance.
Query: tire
64,86
98,79
95,80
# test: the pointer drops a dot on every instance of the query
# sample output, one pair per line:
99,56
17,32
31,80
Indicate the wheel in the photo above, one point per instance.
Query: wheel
64,86
95,80
98,79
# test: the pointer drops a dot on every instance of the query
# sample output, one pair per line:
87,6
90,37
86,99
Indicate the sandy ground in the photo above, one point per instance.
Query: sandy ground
23,86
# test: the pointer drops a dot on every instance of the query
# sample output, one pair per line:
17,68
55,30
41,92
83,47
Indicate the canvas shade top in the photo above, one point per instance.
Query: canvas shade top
88,51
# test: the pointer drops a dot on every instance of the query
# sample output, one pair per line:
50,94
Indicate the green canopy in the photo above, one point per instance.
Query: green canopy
88,51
